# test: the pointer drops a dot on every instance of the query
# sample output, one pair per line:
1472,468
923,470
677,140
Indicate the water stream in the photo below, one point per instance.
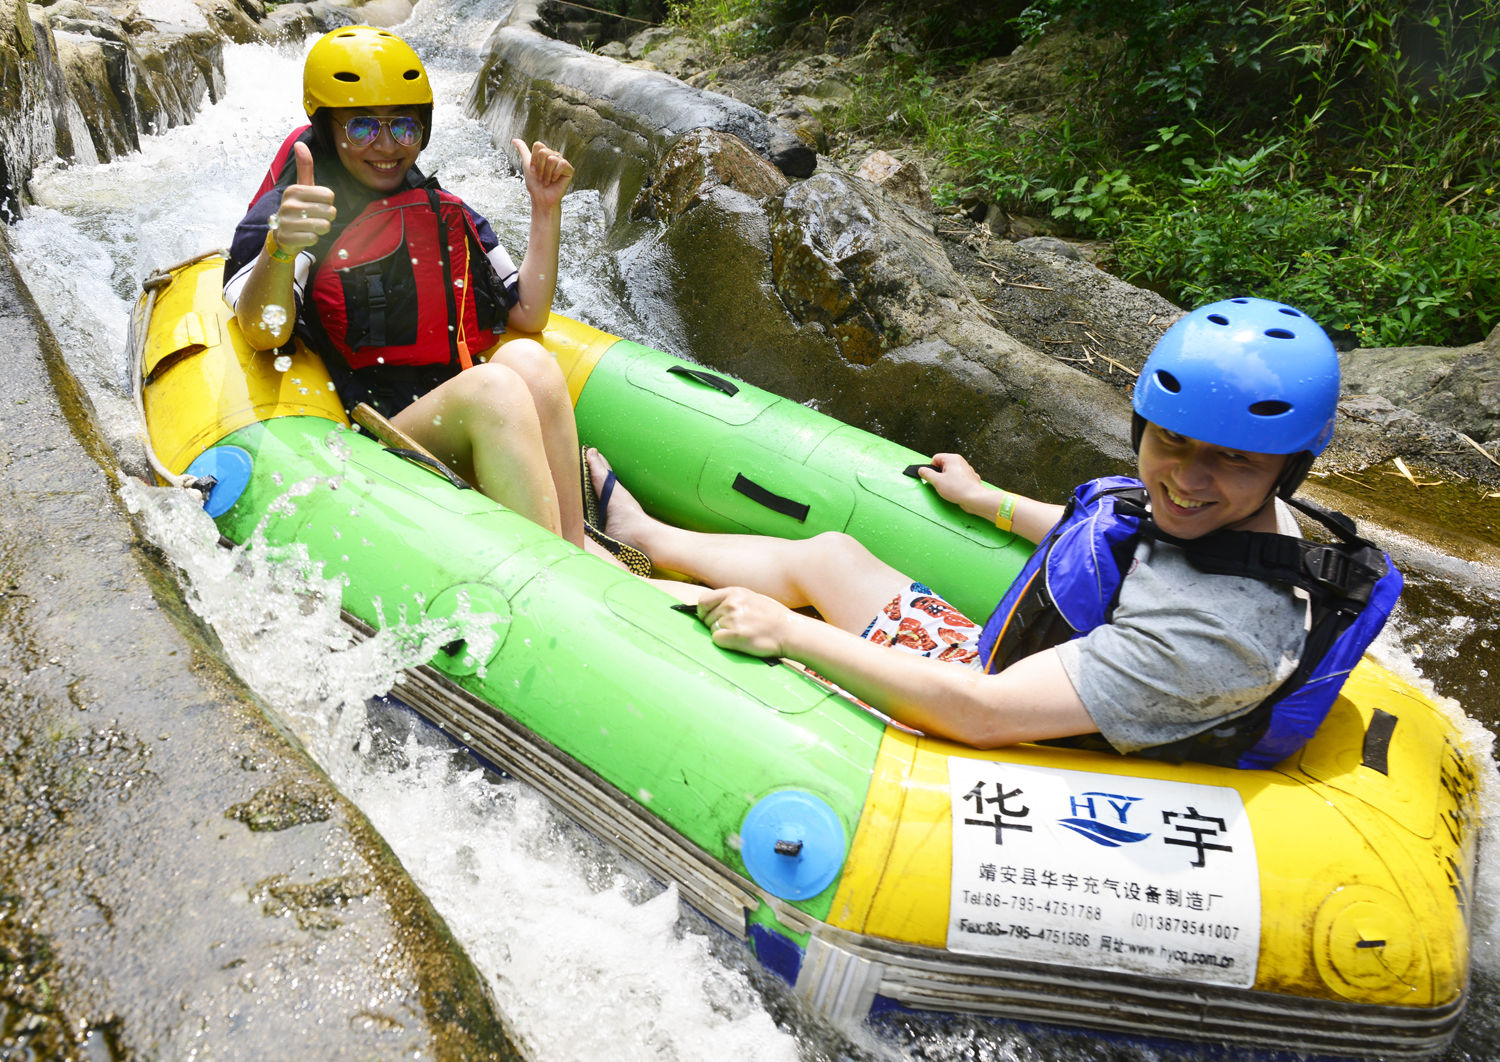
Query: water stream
588,958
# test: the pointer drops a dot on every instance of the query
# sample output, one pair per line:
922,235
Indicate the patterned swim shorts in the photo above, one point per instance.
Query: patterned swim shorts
918,621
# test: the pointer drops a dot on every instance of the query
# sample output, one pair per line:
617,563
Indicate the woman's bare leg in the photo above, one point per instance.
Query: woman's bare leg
484,424
832,572
539,370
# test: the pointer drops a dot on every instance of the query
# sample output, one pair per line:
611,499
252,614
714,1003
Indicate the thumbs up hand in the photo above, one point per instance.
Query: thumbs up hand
307,209
546,173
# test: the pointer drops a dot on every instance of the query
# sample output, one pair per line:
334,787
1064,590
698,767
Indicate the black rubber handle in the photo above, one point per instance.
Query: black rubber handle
708,379
775,502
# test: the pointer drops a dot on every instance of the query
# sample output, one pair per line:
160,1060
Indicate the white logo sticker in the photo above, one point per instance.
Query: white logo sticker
1104,871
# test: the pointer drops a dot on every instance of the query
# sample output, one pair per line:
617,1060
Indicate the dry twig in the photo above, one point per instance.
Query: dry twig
1413,480
1018,284
1481,449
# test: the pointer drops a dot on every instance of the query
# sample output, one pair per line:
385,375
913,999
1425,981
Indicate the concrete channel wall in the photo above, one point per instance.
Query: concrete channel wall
177,878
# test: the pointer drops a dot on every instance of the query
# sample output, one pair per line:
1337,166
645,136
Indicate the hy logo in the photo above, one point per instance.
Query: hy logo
1101,817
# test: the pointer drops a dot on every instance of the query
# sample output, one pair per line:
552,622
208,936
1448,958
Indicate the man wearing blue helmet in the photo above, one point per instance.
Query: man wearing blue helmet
1169,616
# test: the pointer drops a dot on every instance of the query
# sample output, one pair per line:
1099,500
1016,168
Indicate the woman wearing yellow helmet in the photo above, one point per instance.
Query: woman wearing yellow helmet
401,286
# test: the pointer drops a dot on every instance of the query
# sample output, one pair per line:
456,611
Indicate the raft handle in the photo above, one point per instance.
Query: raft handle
1375,753
913,470
718,383
775,502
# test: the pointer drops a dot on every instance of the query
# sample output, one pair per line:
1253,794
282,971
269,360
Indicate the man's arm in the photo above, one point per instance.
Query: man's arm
1032,700
956,481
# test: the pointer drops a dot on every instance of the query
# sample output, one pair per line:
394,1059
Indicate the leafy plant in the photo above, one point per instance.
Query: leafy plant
1102,199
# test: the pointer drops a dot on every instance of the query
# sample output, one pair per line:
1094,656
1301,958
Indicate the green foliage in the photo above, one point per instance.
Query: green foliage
1340,157
947,31
1321,249
1103,200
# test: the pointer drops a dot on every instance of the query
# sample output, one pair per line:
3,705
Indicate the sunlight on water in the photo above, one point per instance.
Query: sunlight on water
587,957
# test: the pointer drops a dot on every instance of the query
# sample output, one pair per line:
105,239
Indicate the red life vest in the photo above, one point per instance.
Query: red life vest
407,283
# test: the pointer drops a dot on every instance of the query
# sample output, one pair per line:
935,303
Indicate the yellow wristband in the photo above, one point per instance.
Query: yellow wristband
1006,511
274,249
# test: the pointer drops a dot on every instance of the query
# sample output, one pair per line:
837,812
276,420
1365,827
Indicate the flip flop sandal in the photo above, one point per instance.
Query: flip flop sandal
595,507
590,499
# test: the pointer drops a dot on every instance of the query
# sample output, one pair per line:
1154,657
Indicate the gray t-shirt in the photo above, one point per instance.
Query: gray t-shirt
1184,649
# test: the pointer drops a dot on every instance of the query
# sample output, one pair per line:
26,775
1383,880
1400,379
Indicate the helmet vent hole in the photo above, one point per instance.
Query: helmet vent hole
1271,407
345,75
412,75
1218,318
1280,333
1167,382
1288,311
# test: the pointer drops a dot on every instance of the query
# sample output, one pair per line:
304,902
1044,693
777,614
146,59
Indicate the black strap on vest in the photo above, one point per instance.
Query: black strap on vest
1339,575
454,321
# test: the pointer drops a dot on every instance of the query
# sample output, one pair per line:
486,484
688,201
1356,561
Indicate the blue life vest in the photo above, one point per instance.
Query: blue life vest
1071,584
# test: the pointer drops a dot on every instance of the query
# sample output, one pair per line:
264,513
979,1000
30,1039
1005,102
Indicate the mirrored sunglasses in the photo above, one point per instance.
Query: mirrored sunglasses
363,130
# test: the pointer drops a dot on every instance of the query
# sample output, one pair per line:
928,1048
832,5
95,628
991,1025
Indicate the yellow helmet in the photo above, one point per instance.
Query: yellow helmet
361,66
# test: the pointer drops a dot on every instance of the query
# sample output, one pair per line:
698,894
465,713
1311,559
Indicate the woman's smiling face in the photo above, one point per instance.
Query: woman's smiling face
382,163
1197,487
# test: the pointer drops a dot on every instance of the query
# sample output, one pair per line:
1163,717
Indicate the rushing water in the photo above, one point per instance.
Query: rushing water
587,957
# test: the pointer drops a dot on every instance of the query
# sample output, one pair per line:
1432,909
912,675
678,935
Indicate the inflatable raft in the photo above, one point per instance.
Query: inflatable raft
1319,907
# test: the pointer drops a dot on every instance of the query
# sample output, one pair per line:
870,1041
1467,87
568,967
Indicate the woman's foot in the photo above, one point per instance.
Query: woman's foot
623,518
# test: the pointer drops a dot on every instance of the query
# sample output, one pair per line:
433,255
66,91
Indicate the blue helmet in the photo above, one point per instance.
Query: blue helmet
1249,374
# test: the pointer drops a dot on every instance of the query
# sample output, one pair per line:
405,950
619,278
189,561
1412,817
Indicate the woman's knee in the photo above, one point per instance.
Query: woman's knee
839,552
492,387
534,364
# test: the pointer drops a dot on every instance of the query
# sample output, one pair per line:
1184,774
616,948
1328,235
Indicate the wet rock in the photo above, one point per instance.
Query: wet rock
1456,386
314,905
282,806
844,256
129,84
38,121
102,83
612,121
699,162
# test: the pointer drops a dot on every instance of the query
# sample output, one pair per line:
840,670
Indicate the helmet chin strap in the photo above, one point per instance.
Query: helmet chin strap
1293,473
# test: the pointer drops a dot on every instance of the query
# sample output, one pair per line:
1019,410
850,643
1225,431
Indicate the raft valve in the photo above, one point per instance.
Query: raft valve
793,844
